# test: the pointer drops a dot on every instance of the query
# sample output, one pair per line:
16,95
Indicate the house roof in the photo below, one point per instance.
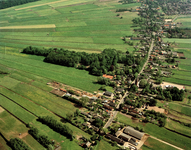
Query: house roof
108,93
123,135
120,89
107,76
115,138
131,131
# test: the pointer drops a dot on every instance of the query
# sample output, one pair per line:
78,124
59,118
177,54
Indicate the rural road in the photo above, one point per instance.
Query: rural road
110,119
166,143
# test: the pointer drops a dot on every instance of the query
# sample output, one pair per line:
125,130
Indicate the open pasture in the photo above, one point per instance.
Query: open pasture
172,125
185,20
152,144
97,21
11,128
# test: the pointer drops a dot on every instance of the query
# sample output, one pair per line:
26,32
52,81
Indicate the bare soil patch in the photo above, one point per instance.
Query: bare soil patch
23,135
30,26
155,108
57,92
181,54
1,109
172,84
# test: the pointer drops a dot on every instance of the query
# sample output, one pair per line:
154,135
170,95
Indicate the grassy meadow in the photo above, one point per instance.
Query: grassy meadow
83,25
152,144
11,127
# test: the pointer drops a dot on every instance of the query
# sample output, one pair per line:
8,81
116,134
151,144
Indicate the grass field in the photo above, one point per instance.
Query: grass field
182,75
152,144
16,110
104,145
95,20
158,132
185,20
65,143
11,127
178,127
179,108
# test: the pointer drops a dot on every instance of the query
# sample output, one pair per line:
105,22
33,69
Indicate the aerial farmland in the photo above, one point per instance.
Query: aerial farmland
95,74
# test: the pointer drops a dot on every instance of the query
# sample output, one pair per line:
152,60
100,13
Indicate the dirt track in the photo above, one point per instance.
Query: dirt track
30,26
40,5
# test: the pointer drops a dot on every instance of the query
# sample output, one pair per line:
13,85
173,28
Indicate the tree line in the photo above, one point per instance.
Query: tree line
42,139
57,126
96,64
9,3
18,144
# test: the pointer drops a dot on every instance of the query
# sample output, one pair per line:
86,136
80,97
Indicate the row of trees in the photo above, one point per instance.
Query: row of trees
42,139
9,3
96,64
57,126
18,144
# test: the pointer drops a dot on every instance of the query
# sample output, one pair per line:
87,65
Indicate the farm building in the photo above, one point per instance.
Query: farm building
132,132
125,137
113,138
107,93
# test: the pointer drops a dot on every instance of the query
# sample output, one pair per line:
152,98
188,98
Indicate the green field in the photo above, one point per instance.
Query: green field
178,127
16,110
185,20
91,26
179,108
182,74
152,144
65,143
11,127
158,132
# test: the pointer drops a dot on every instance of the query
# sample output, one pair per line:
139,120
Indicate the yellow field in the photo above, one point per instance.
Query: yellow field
40,5
30,26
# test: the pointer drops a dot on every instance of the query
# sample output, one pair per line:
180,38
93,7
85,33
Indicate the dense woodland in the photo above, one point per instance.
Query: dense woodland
97,64
9,3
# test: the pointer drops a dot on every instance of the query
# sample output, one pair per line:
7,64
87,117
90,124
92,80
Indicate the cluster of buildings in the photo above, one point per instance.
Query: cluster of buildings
128,137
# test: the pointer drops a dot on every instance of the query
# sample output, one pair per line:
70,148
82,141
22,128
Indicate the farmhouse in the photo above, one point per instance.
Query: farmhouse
107,93
132,132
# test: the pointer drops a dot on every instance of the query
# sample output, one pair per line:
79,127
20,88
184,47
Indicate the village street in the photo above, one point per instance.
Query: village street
114,113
